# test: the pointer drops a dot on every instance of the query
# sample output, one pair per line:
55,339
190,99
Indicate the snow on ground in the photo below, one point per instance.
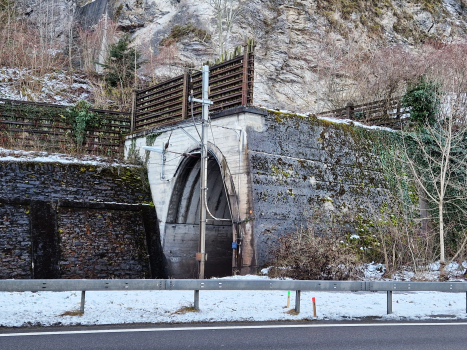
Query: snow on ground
355,123
336,120
119,307
7,155
54,87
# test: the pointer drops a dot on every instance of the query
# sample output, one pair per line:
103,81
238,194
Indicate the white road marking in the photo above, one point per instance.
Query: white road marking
232,328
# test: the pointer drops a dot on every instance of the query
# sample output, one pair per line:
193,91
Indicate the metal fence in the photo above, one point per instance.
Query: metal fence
230,83
61,285
389,113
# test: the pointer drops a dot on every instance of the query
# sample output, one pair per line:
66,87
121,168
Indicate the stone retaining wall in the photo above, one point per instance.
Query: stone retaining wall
300,165
77,221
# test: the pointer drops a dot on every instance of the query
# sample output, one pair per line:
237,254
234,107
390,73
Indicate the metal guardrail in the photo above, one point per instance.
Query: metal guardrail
62,285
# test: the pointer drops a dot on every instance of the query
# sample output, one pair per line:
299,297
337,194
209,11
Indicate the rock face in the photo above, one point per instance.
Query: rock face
291,35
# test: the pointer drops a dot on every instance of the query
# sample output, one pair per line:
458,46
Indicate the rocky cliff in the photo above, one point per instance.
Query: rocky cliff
296,39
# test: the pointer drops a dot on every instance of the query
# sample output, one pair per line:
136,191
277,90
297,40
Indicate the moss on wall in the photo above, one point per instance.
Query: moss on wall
300,165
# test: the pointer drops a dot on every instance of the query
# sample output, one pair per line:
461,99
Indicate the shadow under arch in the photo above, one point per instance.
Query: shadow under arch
181,239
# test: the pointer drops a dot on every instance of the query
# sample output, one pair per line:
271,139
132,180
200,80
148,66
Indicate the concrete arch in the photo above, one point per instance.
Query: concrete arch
181,240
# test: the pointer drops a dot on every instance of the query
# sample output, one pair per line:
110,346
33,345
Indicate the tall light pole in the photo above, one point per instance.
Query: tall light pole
204,170
201,256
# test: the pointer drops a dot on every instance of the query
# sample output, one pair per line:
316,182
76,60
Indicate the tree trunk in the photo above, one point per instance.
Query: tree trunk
442,261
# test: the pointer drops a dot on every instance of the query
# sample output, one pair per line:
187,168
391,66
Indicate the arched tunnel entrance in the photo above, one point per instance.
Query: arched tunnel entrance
181,240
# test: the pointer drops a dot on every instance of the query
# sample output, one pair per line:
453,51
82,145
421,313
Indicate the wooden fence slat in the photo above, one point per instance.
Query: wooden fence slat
32,128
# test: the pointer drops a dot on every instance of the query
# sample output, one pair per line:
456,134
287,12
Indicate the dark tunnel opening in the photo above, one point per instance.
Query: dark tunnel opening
182,226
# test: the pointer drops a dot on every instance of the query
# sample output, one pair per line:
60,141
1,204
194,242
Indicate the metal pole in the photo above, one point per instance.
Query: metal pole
204,166
133,112
297,301
83,297
389,302
163,159
196,303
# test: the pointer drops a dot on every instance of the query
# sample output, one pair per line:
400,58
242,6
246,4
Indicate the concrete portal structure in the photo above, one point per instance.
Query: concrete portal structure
267,173
175,190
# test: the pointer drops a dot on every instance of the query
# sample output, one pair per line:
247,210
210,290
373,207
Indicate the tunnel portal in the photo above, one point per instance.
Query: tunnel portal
182,225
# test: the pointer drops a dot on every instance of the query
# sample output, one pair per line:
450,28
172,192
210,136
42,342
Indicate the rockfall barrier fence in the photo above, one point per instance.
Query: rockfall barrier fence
44,126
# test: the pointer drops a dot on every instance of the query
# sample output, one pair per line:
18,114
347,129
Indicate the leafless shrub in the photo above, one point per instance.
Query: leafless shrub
316,252
93,43
20,47
165,64
351,72
105,97
404,241
306,255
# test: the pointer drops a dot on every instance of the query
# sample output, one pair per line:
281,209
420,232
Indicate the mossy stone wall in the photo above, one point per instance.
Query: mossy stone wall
298,165
77,221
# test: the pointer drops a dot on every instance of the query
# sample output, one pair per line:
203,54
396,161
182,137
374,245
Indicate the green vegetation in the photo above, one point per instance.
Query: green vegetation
7,11
81,118
61,129
178,32
121,63
422,97
399,228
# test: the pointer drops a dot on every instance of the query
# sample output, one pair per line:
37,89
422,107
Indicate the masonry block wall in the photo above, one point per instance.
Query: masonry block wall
300,165
77,221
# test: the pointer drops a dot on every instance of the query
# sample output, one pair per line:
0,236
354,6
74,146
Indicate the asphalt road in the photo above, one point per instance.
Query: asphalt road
236,336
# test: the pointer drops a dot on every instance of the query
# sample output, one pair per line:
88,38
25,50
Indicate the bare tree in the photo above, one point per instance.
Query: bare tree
94,43
436,155
227,13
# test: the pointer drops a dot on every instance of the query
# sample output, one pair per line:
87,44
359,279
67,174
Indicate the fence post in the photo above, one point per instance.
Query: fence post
185,95
350,110
245,75
133,112
398,113
389,301
297,301
83,297
196,303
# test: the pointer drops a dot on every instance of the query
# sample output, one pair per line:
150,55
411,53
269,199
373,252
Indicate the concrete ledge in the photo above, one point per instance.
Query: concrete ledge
76,204
240,109
189,122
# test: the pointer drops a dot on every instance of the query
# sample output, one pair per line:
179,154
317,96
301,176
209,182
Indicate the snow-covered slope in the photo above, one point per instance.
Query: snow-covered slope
56,87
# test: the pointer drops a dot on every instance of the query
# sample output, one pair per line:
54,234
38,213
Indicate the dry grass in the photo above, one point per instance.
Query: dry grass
184,310
292,312
315,252
93,43
353,72
73,313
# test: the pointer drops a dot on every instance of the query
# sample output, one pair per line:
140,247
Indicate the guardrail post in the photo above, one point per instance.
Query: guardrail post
297,301
83,297
196,303
389,293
